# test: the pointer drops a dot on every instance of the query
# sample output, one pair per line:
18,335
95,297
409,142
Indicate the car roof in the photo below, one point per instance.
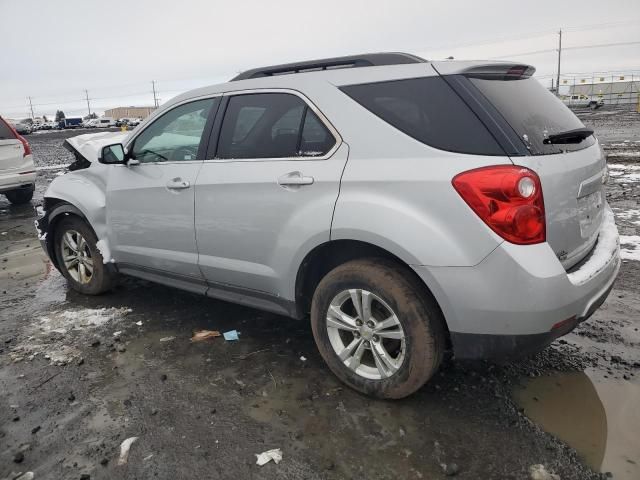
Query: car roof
340,71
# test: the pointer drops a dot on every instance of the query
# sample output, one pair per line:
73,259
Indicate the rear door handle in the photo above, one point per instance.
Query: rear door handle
178,184
294,179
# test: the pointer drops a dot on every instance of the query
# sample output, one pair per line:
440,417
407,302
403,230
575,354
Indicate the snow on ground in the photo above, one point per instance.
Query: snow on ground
630,247
631,215
52,167
624,173
53,335
61,322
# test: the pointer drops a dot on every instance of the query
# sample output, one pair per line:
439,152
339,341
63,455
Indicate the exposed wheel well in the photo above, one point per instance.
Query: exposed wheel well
324,258
51,204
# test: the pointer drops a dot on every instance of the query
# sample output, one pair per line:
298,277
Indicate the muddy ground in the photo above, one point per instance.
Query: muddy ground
78,375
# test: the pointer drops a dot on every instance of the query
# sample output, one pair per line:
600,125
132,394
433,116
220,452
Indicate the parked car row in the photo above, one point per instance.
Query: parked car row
129,122
25,127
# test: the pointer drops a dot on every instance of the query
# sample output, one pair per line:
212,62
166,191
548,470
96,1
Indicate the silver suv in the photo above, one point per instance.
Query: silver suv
408,207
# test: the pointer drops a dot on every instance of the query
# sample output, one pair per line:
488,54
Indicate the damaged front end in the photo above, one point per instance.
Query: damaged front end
80,192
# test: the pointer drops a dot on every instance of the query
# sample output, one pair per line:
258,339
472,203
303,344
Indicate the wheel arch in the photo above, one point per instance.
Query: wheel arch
327,256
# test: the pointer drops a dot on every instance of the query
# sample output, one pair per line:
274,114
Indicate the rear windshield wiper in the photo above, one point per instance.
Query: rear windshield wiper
570,136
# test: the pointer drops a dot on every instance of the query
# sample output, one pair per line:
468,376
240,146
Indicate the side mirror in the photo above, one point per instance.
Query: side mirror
113,154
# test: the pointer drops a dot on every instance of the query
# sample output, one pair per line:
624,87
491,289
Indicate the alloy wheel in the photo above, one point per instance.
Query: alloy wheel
366,334
77,256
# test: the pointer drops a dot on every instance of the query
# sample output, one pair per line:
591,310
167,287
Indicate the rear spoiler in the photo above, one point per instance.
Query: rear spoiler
486,70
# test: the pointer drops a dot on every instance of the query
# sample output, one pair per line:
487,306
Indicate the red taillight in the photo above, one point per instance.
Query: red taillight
508,199
25,144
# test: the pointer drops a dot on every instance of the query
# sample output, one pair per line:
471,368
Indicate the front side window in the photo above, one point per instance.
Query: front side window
176,135
271,125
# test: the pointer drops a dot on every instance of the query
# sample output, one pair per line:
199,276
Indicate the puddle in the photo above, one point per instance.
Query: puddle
24,260
338,423
597,416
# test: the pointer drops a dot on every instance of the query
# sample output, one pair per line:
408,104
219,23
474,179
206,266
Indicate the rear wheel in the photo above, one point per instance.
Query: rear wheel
20,195
376,328
593,105
79,259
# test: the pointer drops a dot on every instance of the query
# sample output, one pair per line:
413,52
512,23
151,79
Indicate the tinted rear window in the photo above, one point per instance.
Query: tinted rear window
533,112
5,131
428,110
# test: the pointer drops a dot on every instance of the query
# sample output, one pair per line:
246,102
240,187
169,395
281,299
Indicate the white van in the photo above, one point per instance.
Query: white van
105,122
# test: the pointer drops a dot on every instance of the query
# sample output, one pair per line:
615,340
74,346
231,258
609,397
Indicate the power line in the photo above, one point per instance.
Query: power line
580,47
539,33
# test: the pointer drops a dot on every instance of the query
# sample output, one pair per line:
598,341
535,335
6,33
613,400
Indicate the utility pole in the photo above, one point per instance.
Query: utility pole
31,107
86,95
155,99
559,54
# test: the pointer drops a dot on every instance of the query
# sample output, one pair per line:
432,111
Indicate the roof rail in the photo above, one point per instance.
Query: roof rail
352,61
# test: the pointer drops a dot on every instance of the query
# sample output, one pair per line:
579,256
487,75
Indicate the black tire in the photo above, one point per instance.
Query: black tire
20,195
102,278
417,311
593,106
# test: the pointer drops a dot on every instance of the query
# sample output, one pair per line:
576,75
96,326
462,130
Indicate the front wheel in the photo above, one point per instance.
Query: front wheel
79,259
377,329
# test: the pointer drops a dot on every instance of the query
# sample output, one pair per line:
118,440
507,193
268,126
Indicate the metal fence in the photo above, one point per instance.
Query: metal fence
614,89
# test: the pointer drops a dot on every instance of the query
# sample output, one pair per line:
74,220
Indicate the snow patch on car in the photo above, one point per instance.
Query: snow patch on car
606,248
105,251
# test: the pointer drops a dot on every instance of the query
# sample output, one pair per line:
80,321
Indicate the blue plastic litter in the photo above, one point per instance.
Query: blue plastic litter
231,335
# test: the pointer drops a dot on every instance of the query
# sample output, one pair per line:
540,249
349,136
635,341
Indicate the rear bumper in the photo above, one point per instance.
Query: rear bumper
520,298
23,176
14,181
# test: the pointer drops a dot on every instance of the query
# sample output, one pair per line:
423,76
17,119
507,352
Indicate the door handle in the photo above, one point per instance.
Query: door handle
178,184
294,179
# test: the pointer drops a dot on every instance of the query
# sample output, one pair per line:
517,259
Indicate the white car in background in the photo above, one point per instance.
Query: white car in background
105,122
17,170
583,101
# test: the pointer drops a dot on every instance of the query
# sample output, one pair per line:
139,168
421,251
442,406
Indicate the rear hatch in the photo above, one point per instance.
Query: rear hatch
11,149
571,169
571,173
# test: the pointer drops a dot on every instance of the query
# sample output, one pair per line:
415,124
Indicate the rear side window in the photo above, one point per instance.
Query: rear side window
5,131
272,125
428,110
533,112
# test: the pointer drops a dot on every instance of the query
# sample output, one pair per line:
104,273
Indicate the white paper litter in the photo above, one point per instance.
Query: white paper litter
167,339
139,323
125,446
266,457
26,476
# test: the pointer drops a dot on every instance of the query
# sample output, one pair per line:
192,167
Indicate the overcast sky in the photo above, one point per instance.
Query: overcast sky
53,50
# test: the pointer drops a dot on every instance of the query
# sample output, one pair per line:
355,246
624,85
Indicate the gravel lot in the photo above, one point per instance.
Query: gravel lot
78,375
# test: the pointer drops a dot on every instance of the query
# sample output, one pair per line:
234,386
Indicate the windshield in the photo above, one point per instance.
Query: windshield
533,112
